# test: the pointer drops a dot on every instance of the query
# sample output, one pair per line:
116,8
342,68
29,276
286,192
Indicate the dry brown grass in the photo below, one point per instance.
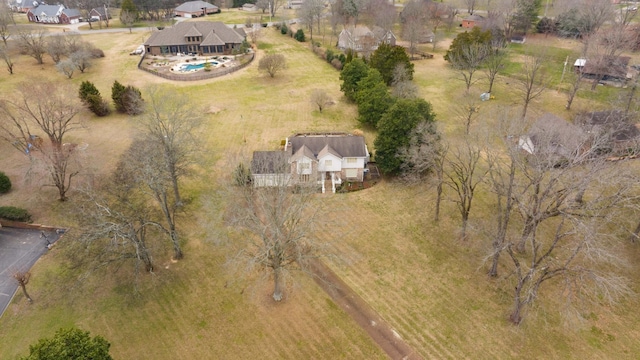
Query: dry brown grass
430,286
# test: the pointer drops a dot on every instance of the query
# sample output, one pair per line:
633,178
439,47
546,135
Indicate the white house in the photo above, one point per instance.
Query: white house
326,159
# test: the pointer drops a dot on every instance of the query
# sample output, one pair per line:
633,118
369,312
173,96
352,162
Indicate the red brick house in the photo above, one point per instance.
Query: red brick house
53,14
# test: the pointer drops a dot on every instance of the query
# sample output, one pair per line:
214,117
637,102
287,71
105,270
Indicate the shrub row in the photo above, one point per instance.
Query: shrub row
14,214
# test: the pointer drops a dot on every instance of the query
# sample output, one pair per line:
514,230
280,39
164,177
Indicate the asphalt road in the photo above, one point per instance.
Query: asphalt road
19,250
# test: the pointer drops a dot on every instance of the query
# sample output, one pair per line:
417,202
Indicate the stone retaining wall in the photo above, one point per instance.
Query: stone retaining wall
200,76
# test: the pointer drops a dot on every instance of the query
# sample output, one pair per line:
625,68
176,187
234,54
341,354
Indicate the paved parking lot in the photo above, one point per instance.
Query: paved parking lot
19,250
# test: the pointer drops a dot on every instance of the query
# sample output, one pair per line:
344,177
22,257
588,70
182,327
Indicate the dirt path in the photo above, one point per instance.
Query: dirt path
379,330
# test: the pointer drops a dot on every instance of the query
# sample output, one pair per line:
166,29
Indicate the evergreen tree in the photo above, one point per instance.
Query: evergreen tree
395,128
87,88
128,6
117,92
387,57
351,74
373,98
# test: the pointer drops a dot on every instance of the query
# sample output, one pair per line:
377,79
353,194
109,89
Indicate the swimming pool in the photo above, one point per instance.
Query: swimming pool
189,67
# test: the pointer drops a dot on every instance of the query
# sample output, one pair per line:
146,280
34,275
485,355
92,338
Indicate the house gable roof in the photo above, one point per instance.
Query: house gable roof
175,35
303,151
614,66
48,10
476,18
614,122
553,135
100,11
212,39
193,32
195,6
328,150
340,145
71,12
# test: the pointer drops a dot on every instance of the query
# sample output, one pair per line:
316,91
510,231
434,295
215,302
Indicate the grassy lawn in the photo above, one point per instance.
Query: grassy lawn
430,286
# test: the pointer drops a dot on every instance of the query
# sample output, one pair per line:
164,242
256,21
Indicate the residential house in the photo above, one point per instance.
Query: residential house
326,159
554,140
99,13
611,131
199,37
53,14
23,5
362,39
472,21
294,4
608,69
191,9
270,168
250,7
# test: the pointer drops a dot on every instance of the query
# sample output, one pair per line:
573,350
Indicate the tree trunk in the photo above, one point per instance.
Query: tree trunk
24,291
516,314
636,233
438,199
277,286
465,220
177,251
529,227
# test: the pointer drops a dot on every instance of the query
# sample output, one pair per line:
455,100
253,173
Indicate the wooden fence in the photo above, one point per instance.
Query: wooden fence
193,77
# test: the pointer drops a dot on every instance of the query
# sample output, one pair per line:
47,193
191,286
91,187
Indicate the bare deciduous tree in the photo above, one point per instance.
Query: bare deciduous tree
81,59
532,81
425,155
6,20
320,98
493,64
272,63
275,224
172,122
57,47
463,175
414,17
67,67
383,13
114,223
33,42
402,85
6,57
471,6
311,12
127,18
274,5
263,5
22,278
467,110
50,109
145,162
468,61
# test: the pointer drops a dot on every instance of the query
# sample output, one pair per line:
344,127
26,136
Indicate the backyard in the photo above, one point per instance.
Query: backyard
427,284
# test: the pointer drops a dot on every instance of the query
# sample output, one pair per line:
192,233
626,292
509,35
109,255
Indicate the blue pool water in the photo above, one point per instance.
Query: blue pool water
197,66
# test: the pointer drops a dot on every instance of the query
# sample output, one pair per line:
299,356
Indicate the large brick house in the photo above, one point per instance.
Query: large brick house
326,160
198,37
192,9
53,14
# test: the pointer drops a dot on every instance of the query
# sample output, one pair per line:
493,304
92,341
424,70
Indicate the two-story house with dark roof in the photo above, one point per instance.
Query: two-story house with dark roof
324,159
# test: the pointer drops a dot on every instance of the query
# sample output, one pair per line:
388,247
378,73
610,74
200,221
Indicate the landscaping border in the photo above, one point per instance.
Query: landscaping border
191,77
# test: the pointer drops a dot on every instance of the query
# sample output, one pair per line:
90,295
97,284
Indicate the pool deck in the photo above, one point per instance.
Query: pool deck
175,63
